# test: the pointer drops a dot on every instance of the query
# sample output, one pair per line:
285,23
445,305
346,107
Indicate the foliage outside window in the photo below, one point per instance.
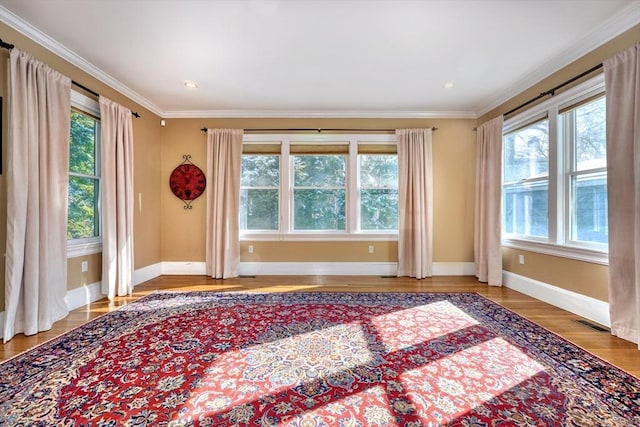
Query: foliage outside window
319,192
84,177
378,177
319,187
555,176
259,190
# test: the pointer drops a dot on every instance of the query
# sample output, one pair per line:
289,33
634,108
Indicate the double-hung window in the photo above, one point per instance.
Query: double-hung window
83,218
319,187
555,176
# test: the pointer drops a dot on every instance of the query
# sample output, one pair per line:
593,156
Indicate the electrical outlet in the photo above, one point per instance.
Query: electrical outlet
520,259
370,249
250,249
84,266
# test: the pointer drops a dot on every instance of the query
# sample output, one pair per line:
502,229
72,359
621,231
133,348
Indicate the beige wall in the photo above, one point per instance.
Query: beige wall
147,135
582,277
454,180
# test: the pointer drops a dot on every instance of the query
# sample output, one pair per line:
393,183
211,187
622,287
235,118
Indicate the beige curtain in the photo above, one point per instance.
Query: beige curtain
224,159
415,203
117,198
622,84
487,246
37,185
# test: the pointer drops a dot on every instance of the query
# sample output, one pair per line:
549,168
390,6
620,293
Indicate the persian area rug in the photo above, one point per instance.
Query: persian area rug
314,359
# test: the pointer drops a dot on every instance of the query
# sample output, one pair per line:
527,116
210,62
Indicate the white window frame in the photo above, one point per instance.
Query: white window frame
90,245
352,214
558,243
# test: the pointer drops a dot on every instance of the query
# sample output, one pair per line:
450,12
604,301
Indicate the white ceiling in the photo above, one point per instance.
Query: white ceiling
314,58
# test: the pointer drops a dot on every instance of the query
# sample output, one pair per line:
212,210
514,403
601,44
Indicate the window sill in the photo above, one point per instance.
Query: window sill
572,252
82,247
301,237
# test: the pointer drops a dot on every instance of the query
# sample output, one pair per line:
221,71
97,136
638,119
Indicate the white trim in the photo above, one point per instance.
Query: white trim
346,114
626,18
564,251
454,268
1,324
65,53
184,267
85,294
147,273
319,268
581,305
82,247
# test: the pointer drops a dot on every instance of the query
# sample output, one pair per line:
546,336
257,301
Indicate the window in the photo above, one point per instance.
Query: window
555,176
319,187
319,192
259,192
378,178
526,180
83,220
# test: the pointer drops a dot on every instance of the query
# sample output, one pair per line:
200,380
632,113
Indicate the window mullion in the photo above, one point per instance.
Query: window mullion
286,189
556,177
353,192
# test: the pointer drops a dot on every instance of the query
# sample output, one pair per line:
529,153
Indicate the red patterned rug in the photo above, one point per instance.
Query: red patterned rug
314,359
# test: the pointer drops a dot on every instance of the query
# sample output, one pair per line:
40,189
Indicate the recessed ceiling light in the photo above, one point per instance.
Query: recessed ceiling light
448,85
190,84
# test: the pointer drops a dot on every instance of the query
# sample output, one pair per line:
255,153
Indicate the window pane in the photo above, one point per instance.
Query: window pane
590,134
589,220
378,192
379,209
526,209
319,170
258,209
379,171
82,153
526,152
83,208
260,171
318,209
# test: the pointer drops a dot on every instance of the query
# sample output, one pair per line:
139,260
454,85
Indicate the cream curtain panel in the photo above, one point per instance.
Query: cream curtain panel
224,159
487,246
37,180
622,83
117,198
415,203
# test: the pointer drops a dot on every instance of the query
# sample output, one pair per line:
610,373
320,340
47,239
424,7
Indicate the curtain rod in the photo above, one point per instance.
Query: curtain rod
319,130
552,91
9,46
96,94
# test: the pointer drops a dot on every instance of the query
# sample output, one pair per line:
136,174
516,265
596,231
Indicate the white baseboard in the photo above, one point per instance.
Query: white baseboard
454,268
318,268
147,273
83,295
186,268
582,305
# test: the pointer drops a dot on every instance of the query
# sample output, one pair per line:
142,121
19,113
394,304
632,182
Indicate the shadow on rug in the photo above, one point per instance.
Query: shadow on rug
314,359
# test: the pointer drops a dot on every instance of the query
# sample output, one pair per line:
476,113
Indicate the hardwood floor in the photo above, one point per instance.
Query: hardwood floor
618,352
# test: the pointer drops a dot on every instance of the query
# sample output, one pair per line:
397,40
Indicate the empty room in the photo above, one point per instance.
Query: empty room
320,213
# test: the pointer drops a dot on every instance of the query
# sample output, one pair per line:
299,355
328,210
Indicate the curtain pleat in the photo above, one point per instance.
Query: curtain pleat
37,186
117,198
622,84
415,203
487,243
224,160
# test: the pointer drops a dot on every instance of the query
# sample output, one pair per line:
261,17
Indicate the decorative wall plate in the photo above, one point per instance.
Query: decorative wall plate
187,181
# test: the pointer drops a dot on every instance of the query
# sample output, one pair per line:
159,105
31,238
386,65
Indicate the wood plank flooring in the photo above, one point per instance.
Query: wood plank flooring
618,352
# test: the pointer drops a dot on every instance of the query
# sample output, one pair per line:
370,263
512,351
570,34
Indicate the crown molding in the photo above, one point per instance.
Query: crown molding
350,114
68,55
623,20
